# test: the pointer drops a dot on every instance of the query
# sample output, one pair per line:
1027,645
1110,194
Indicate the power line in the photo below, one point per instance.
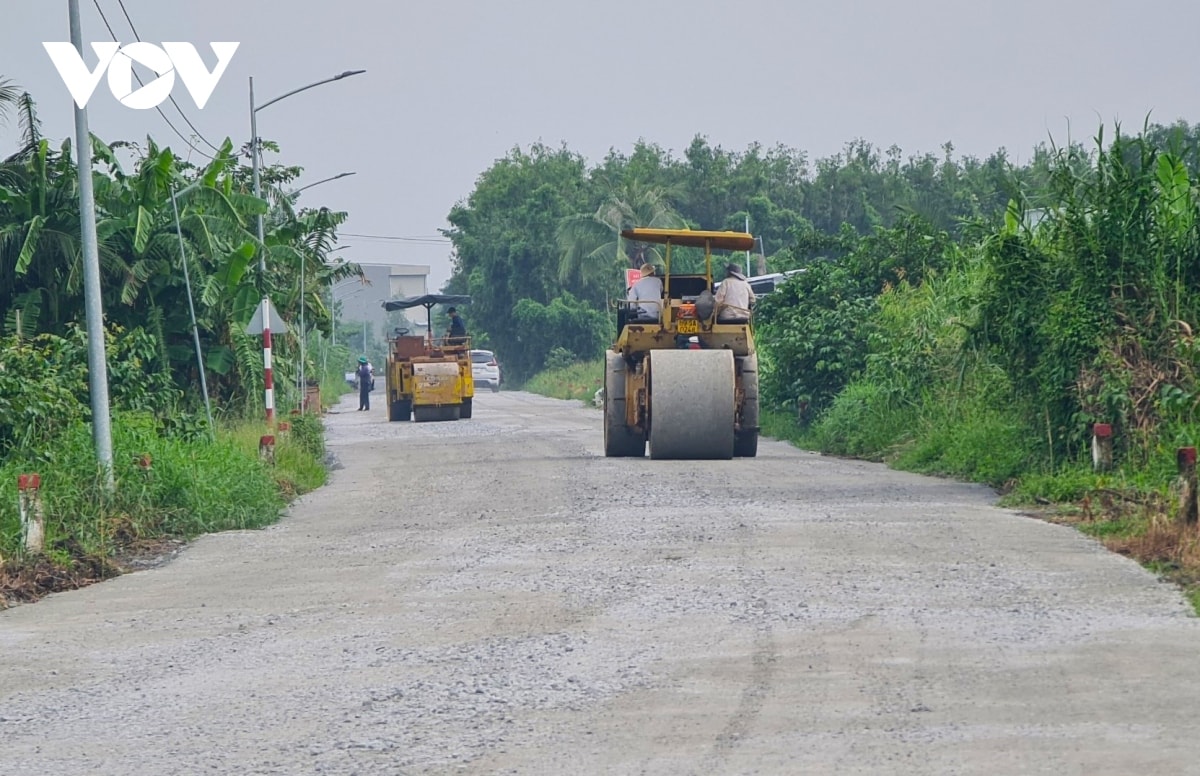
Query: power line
121,3
425,240
157,108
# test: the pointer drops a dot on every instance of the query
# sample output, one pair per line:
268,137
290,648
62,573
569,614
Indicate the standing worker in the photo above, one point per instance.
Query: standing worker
734,297
365,380
457,333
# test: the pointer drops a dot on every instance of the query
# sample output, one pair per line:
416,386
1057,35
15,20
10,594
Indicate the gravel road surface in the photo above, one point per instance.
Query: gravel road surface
493,596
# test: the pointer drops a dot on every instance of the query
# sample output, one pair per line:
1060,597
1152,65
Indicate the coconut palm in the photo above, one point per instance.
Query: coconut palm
593,251
14,100
9,94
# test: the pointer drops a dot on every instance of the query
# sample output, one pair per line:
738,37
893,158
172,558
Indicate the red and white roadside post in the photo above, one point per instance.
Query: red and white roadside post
266,448
261,324
29,501
268,381
266,443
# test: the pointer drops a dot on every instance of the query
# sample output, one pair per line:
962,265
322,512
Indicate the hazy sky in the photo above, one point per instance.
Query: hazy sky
452,86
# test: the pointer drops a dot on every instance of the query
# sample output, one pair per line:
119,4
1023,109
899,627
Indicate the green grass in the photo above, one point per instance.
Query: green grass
578,381
780,425
194,485
335,387
298,452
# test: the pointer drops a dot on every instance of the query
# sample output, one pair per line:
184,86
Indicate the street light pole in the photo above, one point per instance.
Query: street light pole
303,331
318,183
97,359
268,385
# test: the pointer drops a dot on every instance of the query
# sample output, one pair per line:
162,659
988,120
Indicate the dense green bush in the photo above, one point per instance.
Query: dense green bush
814,330
192,486
44,383
565,324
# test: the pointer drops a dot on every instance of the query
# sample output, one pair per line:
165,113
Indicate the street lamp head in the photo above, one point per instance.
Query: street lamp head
326,180
347,74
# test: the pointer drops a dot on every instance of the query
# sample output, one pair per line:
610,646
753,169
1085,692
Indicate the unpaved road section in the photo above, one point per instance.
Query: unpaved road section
493,596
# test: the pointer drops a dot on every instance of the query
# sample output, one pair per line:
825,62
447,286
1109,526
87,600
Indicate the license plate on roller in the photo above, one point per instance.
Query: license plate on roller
688,326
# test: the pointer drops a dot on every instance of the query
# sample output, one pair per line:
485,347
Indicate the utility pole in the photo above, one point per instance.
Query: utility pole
97,359
748,272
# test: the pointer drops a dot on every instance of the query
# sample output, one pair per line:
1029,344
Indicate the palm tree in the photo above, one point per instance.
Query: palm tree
13,99
593,252
9,94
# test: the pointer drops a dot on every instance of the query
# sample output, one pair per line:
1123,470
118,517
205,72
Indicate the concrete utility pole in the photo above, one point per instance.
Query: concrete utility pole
97,359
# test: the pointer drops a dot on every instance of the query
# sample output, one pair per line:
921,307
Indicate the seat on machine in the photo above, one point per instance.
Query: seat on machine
688,286
408,347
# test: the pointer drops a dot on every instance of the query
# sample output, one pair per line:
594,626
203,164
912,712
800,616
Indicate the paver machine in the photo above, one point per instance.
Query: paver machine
428,378
685,384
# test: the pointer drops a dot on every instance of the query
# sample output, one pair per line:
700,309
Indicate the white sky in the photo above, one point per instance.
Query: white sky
452,85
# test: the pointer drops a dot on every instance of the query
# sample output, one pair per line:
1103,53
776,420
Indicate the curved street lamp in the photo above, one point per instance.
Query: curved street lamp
268,387
294,192
303,331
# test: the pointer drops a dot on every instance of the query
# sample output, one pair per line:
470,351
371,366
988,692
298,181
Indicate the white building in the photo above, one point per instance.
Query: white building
386,281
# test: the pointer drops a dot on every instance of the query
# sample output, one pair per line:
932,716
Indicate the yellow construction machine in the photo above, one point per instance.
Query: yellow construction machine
684,382
428,378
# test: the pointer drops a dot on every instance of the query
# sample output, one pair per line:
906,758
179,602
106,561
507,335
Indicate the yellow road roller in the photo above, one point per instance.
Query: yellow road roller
428,378
677,378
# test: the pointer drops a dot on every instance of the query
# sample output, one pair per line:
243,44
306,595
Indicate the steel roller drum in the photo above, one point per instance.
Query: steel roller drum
691,404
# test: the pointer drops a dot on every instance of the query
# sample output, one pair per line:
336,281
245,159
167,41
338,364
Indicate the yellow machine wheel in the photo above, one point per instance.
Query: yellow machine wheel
619,440
692,404
465,411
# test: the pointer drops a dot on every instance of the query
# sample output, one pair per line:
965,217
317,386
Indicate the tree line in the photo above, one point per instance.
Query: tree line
541,226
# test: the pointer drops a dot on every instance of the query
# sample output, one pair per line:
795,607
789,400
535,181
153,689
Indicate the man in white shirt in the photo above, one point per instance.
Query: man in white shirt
648,290
734,297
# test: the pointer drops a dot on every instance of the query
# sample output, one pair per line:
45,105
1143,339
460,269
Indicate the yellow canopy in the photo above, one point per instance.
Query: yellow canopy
731,241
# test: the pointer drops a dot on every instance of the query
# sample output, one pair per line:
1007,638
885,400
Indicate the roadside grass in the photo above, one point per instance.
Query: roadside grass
1131,511
191,486
780,425
333,389
577,381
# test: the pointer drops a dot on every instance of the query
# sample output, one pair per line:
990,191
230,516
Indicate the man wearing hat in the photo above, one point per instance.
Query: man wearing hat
734,297
366,381
648,290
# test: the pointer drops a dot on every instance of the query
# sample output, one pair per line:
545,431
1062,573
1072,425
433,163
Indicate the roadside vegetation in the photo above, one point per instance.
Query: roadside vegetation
175,476
575,380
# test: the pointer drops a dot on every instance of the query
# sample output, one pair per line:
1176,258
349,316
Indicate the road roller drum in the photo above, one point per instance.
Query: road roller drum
692,404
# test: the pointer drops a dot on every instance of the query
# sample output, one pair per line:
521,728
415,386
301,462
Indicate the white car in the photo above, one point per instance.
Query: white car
485,370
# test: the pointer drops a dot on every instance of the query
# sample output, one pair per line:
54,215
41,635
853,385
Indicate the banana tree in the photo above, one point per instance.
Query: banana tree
40,269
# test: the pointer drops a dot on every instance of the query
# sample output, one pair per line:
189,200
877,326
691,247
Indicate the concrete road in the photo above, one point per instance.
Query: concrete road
493,596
